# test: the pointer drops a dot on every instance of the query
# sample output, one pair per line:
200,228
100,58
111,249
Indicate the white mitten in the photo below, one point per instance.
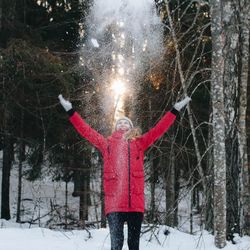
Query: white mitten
179,105
66,104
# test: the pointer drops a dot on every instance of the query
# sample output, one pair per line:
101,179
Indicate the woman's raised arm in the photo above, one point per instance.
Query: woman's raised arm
82,127
163,125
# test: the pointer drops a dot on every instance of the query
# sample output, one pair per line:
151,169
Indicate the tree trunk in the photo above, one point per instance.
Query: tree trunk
217,93
19,191
246,219
244,10
82,211
209,215
20,176
154,163
84,193
20,169
84,199
7,162
66,205
230,22
103,217
235,25
8,154
170,190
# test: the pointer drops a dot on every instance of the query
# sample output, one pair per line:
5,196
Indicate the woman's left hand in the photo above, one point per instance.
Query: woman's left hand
179,105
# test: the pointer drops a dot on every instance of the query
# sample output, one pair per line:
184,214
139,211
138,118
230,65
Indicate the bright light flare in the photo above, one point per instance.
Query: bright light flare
118,86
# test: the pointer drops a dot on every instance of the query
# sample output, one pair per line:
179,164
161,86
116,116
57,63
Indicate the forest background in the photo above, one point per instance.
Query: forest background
49,47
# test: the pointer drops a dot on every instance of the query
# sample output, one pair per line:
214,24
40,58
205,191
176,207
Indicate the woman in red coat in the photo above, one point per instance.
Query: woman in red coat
123,156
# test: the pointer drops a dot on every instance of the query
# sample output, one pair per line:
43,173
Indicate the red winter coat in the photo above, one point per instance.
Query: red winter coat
123,163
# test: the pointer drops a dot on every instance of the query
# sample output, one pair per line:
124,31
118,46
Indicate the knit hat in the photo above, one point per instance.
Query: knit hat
124,118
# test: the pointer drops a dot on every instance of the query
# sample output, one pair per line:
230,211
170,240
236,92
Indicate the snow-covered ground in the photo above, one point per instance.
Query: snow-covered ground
20,237
42,196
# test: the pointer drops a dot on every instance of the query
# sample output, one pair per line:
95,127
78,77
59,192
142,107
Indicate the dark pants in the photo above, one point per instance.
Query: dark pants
116,222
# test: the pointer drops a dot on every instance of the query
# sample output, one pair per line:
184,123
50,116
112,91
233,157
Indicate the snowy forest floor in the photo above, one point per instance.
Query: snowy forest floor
15,236
43,203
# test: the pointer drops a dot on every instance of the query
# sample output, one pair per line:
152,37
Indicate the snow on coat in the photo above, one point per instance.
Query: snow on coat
123,163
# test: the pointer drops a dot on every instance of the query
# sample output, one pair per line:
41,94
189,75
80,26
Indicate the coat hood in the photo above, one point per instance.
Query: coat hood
127,119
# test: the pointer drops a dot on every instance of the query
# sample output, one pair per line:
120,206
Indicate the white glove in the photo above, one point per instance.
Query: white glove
66,104
179,105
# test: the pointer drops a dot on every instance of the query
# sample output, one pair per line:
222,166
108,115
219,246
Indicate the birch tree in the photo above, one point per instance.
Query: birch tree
219,154
231,46
244,9
230,38
236,51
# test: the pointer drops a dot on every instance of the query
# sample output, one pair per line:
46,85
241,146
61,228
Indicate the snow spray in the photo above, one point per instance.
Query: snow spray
123,34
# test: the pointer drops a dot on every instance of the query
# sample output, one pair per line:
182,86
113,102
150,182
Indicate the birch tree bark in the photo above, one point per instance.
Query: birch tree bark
217,92
230,24
235,52
244,9
230,38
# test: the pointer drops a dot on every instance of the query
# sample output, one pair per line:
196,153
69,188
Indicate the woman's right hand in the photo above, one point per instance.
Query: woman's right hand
67,105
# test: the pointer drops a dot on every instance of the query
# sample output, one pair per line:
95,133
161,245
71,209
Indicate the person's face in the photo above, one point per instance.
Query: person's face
123,125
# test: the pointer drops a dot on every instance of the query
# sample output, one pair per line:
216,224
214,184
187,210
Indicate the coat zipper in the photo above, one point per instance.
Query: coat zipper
129,169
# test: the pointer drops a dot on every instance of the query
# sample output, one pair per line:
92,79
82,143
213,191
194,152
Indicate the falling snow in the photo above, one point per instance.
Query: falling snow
128,33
